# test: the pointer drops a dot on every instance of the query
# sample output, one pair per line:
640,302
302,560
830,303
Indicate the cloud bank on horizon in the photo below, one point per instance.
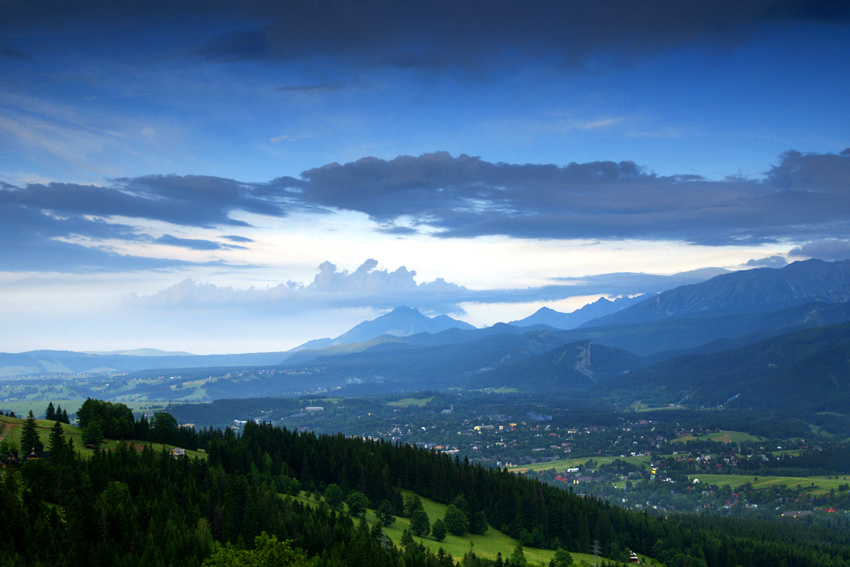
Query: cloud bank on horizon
556,146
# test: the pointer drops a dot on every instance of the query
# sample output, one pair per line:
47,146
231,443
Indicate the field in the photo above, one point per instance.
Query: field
13,427
722,436
38,407
487,545
407,402
759,482
564,464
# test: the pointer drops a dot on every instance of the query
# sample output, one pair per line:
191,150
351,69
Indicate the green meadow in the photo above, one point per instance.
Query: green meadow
489,544
824,483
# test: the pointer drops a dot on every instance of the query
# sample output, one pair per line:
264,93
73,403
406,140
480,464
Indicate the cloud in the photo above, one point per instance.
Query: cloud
371,287
770,262
41,225
331,288
830,250
16,55
804,196
195,244
289,137
235,238
442,34
191,200
437,34
312,89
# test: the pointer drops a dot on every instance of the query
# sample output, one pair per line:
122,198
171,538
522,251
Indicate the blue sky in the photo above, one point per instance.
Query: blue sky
207,177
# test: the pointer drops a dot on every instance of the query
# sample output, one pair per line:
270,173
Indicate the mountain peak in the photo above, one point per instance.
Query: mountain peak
402,321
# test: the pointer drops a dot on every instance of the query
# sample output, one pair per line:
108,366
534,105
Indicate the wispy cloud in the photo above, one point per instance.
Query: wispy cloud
289,138
312,89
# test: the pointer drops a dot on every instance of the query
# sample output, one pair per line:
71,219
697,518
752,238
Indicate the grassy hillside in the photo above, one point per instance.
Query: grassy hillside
12,428
488,545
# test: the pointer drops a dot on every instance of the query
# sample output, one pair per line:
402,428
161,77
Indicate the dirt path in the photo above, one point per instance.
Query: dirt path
7,429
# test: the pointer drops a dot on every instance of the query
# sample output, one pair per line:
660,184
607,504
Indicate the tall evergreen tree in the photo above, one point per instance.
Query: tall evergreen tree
57,440
29,436
50,413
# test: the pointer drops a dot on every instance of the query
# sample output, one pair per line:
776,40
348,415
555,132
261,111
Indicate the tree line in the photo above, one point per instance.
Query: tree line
123,507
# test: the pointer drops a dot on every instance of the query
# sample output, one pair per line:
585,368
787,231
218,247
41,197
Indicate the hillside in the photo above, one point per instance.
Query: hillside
806,369
572,367
739,292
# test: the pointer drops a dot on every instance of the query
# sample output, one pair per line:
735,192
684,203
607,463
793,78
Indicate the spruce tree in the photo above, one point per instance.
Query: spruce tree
57,441
29,436
50,413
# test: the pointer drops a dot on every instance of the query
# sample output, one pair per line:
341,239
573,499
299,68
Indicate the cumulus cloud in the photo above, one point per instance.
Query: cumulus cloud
830,250
770,262
373,287
367,286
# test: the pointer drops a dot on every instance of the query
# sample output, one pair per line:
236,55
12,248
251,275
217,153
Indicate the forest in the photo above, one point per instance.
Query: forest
138,506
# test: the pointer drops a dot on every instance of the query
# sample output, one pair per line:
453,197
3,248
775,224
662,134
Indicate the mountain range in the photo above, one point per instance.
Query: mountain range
761,337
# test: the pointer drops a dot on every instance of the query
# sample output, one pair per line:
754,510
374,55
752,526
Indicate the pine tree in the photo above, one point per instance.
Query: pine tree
65,418
57,440
29,436
50,413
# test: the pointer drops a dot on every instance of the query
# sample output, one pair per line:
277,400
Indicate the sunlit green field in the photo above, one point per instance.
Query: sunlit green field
722,436
564,464
13,427
407,402
735,480
487,545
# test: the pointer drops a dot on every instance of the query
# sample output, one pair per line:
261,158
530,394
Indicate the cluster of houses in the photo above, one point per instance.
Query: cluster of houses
14,461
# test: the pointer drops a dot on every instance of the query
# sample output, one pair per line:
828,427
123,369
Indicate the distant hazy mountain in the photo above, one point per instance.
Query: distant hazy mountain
69,362
141,352
740,292
400,322
559,320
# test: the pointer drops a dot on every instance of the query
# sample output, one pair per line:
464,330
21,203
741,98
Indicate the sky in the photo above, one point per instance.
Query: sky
210,176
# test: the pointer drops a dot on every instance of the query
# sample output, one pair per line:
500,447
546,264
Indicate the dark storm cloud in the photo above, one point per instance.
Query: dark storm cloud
441,33
434,33
804,196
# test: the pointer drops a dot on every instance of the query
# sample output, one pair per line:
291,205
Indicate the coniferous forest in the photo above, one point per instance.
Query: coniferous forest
145,507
